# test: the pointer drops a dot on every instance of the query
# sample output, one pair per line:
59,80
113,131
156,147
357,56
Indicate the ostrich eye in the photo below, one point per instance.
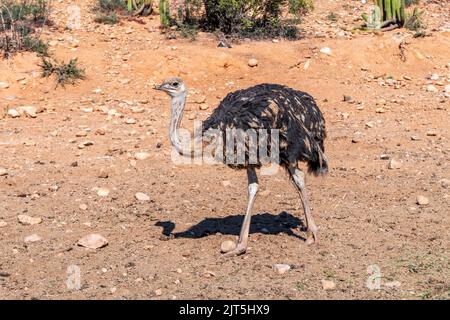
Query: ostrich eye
175,84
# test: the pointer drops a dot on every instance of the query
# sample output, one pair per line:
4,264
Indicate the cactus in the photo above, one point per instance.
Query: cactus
164,12
386,12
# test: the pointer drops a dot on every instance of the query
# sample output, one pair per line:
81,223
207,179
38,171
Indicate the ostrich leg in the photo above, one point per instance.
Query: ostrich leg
241,246
299,180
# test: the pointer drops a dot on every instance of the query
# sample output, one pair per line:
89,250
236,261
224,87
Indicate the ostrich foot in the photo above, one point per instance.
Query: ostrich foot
311,237
240,249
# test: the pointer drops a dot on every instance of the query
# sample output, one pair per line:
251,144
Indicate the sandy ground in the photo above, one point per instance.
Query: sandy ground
168,247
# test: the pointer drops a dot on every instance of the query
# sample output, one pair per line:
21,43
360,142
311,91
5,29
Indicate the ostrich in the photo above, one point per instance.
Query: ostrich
301,128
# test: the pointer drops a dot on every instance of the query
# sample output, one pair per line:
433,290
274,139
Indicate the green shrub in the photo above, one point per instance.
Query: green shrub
64,72
248,18
19,22
107,18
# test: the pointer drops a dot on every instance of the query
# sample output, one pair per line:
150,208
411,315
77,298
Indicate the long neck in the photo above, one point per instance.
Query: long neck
178,103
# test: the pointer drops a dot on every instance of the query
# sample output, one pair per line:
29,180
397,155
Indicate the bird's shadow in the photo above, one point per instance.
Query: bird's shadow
265,223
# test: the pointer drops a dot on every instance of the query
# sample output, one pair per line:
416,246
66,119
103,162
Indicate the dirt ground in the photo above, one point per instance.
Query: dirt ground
168,247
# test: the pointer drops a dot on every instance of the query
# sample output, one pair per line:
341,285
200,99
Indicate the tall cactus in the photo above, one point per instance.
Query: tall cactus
164,12
391,11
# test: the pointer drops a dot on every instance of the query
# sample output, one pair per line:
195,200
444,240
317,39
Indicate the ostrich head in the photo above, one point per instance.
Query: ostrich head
176,89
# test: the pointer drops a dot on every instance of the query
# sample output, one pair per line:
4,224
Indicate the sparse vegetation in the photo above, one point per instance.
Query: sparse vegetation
64,72
245,18
19,22
332,17
414,22
107,18
411,2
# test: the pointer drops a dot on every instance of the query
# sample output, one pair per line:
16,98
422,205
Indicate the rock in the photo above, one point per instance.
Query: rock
32,238
325,50
434,77
53,43
100,131
81,134
29,111
13,113
142,196
431,88
130,121
204,107
431,133
192,116
226,183
83,207
93,241
200,99
281,268
252,62
393,284
394,164
4,85
141,155
158,292
103,192
3,171
445,183
422,200
4,274
447,88
3,224
103,174
328,285
384,157
227,246
347,98
27,220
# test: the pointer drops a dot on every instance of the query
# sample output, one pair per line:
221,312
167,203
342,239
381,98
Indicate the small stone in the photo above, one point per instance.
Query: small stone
13,113
142,155
445,183
204,107
422,200
431,133
431,88
328,285
447,88
380,110
103,174
4,85
100,131
81,134
3,171
384,157
93,241
27,220
103,192
200,99
130,121
252,62
434,77
53,43
192,116
226,183
347,98
158,292
415,138
29,111
325,50
32,238
142,196
227,246
83,207
394,164
393,284
3,224
281,268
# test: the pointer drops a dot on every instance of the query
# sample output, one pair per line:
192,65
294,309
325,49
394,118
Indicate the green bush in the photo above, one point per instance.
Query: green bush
249,18
64,72
19,22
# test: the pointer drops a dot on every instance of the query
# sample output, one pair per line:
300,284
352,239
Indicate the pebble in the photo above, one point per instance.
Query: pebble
328,285
325,50
93,241
130,121
431,133
226,183
103,174
252,62
100,131
431,88
142,196
32,238
200,99
347,98
103,192
141,155
83,207
81,134
422,200
393,284
27,220
3,171
29,111
394,164
281,268
4,85
13,113
158,292
445,183
192,116
3,224
227,246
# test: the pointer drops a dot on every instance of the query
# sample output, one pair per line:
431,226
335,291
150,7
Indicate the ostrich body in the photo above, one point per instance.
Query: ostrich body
293,113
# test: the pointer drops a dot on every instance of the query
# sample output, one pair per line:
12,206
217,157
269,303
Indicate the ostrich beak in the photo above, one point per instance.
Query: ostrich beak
157,87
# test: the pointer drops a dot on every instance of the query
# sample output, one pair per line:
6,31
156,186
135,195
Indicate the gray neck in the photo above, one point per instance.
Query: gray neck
177,106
